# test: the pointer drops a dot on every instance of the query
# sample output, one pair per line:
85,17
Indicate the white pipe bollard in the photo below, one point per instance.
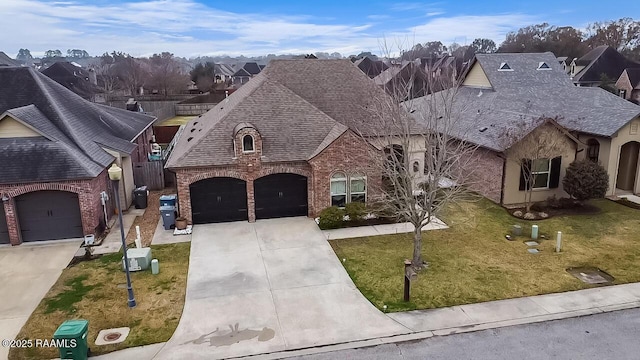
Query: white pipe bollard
138,238
559,241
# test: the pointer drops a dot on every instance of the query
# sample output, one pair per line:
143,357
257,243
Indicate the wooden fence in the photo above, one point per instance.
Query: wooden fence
150,174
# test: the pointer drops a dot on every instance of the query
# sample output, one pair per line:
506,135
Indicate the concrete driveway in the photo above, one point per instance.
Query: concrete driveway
27,272
269,286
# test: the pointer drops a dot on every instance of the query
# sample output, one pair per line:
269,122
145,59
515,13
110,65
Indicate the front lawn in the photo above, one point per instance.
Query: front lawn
473,262
96,291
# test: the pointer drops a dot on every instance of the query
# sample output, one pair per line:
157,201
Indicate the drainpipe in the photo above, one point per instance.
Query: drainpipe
502,182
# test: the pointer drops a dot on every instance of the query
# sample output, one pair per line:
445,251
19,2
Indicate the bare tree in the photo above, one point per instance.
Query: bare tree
165,73
104,68
427,164
533,146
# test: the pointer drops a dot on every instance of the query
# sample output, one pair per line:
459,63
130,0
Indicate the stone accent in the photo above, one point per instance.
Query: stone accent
88,196
348,153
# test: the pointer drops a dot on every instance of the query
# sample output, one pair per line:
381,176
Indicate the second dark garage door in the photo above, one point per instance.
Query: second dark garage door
218,200
280,195
49,215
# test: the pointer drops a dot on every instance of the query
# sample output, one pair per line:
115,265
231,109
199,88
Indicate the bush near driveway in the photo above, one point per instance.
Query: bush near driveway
95,290
473,262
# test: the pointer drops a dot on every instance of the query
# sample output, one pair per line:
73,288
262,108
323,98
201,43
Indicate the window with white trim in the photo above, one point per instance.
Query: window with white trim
358,188
247,144
346,189
540,170
338,189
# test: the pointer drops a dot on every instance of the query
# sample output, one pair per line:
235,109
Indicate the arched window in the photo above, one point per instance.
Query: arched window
338,189
247,143
593,150
358,188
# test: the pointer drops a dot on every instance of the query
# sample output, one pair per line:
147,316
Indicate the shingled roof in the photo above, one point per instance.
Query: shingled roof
524,94
74,131
603,60
298,106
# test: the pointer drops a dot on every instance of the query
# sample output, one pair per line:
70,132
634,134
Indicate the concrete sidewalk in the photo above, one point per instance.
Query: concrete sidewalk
466,318
375,230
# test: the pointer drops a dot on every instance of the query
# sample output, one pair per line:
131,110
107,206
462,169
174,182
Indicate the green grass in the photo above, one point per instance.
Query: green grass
65,301
94,290
473,262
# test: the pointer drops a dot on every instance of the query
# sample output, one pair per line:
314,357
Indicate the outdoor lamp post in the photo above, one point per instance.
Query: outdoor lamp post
115,174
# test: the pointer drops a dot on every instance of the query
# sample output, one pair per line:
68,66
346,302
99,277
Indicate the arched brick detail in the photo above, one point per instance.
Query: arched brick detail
45,187
216,173
304,170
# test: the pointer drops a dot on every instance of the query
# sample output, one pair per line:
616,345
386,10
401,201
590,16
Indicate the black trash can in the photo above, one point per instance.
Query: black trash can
140,197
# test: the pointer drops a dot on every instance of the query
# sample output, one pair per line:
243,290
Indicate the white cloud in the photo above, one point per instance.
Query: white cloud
189,28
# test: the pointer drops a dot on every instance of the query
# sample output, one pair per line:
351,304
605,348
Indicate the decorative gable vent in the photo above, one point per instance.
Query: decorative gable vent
504,67
543,66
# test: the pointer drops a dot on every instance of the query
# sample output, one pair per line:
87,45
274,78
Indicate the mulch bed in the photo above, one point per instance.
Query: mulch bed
584,209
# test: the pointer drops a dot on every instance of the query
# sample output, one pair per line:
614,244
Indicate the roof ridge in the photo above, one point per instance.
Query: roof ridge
240,94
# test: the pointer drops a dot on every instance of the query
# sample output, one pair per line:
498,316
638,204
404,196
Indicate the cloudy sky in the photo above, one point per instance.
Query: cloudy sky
207,27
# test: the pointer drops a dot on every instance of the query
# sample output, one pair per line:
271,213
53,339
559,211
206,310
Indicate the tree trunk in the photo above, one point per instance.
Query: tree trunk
417,248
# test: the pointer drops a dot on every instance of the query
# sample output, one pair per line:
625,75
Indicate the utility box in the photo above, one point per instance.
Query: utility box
168,200
168,214
71,337
139,259
140,197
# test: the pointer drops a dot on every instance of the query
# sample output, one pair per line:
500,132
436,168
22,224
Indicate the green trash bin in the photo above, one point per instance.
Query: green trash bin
71,338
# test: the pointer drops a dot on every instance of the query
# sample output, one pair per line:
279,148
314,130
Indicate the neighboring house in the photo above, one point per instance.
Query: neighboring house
223,73
72,76
371,67
5,60
55,148
506,91
603,63
564,63
404,81
246,72
628,85
282,145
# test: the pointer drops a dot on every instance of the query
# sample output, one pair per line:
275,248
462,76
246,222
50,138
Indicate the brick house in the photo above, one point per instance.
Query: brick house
508,91
628,85
282,145
55,148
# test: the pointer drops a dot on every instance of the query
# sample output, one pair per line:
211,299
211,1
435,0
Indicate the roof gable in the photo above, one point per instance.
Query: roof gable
11,127
78,126
602,61
476,77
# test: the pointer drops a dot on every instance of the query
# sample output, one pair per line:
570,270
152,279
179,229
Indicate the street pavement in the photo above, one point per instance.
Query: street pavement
612,336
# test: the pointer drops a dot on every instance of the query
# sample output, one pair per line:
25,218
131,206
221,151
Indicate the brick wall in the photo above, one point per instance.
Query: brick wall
88,196
348,154
485,174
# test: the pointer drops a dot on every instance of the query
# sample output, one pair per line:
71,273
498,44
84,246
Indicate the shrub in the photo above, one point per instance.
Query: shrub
585,180
355,210
331,218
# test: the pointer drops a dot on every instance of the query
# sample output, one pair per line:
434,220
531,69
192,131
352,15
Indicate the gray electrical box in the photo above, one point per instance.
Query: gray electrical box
139,259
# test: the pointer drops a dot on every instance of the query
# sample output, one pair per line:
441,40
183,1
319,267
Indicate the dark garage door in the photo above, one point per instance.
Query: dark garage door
4,233
49,215
218,200
281,195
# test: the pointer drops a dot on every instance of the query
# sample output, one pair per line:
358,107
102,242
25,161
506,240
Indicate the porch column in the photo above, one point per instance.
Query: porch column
12,222
251,203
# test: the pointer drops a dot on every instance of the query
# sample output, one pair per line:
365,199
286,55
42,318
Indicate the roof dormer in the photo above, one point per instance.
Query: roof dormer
247,140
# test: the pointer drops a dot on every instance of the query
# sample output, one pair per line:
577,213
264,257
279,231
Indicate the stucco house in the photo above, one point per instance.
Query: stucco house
282,145
55,148
507,91
628,85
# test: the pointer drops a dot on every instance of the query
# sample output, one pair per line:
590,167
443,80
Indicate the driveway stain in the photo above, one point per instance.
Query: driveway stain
217,338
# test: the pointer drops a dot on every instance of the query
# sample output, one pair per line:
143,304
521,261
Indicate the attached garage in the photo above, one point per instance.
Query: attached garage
4,232
218,199
280,195
49,215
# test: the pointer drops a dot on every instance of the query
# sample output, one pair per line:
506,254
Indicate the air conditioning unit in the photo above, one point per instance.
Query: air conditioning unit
139,259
